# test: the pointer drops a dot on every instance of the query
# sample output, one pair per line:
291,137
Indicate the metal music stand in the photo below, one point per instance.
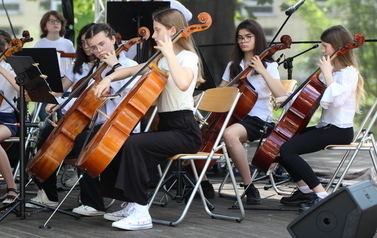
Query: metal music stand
48,63
29,79
127,17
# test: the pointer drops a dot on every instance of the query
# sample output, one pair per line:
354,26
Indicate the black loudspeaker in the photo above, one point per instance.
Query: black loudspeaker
349,212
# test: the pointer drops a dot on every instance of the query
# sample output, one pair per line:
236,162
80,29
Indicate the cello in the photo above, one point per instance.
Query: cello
246,102
103,147
61,140
299,113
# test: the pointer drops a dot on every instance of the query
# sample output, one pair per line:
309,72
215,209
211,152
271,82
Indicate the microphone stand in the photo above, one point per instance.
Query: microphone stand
288,61
278,32
289,13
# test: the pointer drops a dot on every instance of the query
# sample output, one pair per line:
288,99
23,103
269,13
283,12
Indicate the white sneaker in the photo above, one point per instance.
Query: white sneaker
41,198
137,219
87,211
71,181
116,216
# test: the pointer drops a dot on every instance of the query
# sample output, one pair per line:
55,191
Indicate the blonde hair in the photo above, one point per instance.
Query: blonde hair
174,18
339,36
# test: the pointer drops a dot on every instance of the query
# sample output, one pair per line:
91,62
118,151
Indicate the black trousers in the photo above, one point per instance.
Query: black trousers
89,187
312,139
90,192
126,178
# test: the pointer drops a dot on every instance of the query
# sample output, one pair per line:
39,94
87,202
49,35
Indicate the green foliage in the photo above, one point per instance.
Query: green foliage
359,17
84,13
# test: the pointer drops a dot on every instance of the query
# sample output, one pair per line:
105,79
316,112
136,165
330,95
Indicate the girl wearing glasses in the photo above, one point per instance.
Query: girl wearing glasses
102,36
250,42
52,26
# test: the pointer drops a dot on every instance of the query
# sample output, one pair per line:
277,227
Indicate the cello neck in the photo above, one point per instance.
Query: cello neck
148,63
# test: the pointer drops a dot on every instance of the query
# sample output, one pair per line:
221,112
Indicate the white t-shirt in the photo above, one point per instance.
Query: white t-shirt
262,107
172,98
339,99
61,44
9,92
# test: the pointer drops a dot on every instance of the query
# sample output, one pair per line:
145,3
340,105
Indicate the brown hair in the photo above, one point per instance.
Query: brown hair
45,19
174,18
6,35
254,27
339,36
99,27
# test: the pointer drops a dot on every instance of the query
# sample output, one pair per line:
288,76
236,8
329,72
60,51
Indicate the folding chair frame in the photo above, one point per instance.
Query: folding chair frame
364,140
218,145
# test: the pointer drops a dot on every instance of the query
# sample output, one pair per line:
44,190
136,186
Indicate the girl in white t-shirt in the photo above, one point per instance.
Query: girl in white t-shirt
178,132
52,26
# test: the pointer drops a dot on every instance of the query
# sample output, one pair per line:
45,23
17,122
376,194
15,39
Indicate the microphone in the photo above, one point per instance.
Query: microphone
293,8
315,46
280,57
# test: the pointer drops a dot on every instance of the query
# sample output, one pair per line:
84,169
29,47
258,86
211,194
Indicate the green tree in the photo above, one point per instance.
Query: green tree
84,13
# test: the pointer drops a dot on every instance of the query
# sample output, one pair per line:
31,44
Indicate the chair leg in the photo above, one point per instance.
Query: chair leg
197,188
372,153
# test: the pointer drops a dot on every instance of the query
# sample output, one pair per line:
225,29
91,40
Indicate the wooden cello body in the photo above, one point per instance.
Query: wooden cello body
245,103
103,147
298,115
61,140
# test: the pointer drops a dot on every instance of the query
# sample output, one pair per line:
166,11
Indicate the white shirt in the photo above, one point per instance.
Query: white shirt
9,92
262,107
339,99
61,44
110,104
172,98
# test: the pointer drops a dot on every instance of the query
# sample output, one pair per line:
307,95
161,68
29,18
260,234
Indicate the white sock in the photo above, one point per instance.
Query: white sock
305,189
322,194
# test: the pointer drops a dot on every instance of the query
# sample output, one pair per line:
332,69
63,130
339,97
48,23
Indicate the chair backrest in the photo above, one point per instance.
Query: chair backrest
217,99
367,122
213,101
289,85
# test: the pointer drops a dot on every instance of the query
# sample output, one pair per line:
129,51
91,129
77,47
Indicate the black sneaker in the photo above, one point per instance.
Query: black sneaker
208,190
252,195
296,199
306,206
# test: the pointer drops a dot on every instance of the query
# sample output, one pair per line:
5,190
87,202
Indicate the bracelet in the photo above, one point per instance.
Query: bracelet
109,78
117,65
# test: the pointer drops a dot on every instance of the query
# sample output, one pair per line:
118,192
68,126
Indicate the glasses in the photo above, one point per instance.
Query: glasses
99,46
54,21
246,38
